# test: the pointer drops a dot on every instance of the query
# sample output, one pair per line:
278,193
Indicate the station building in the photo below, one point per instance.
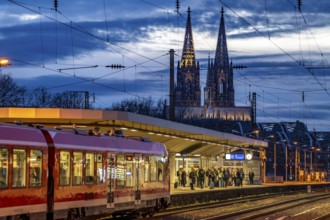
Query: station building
187,145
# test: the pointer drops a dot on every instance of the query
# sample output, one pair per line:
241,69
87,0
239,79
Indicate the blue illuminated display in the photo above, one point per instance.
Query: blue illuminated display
235,156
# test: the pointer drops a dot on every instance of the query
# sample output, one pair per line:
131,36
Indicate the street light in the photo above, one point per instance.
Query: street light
4,62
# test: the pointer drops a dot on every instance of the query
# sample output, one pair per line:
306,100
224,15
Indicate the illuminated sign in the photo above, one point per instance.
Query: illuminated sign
235,156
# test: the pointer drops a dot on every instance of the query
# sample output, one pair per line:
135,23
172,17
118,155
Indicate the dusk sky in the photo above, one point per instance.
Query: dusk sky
286,51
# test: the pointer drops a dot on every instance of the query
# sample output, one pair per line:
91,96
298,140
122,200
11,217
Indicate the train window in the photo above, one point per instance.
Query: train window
89,168
153,168
35,168
4,159
120,170
160,168
129,174
100,173
65,168
19,168
146,169
77,168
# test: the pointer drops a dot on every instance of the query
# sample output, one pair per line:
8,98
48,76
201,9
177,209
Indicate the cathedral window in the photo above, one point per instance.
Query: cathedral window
221,87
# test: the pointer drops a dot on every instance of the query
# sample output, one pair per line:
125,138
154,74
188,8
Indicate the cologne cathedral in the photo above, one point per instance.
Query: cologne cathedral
219,94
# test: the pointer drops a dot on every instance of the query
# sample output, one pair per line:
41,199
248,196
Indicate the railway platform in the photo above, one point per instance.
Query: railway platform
183,196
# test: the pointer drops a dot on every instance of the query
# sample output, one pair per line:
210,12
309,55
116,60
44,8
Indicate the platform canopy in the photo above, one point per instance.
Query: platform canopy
178,137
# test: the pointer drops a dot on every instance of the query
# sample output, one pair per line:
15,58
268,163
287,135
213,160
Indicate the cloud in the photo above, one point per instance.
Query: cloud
272,39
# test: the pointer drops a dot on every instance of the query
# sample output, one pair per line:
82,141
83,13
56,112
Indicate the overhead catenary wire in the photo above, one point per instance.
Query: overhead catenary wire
84,31
119,71
277,46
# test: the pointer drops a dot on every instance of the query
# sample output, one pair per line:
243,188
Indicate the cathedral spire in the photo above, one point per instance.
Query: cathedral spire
219,90
187,91
188,52
221,54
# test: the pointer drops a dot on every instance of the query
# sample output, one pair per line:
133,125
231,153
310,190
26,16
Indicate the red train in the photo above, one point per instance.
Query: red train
68,174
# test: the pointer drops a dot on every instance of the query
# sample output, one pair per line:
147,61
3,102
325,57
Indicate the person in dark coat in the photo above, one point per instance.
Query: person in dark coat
192,176
183,178
201,177
241,176
251,176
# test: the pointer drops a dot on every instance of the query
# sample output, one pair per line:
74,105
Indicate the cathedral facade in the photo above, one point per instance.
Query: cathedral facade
219,94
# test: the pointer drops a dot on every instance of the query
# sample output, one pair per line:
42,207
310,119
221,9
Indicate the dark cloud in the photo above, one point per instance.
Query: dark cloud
117,28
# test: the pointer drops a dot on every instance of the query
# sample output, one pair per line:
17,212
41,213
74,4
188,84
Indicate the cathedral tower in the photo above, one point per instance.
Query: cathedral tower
219,89
187,91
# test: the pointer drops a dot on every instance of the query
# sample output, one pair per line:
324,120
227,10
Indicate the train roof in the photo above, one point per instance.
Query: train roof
71,139
21,135
64,139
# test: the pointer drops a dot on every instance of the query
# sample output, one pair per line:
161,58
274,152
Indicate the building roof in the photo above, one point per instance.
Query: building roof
178,138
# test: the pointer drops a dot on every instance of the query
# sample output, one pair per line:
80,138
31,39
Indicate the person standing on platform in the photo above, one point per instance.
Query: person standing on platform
233,177
208,176
220,177
192,176
183,178
212,177
238,179
179,175
241,176
201,177
251,176
226,177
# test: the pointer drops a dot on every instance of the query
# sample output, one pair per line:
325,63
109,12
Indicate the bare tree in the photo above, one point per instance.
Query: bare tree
143,106
39,97
11,95
68,99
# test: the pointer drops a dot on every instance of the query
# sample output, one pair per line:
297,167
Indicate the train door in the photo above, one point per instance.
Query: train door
137,166
111,180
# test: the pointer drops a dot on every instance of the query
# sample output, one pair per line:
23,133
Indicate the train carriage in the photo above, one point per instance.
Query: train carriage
54,174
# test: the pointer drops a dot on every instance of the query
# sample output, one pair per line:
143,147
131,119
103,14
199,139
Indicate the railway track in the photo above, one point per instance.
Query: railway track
245,208
268,210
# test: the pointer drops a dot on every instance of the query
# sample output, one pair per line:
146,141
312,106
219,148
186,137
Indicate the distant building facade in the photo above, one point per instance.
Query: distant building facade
219,94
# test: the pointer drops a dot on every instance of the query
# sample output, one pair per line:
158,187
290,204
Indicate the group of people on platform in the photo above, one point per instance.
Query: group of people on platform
212,177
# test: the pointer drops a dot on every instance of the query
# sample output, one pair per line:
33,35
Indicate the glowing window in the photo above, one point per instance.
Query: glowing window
19,168
160,168
146,169
120,170
129,174
4,161
65,168
89,168
99,167
77,168
153,168
35,168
